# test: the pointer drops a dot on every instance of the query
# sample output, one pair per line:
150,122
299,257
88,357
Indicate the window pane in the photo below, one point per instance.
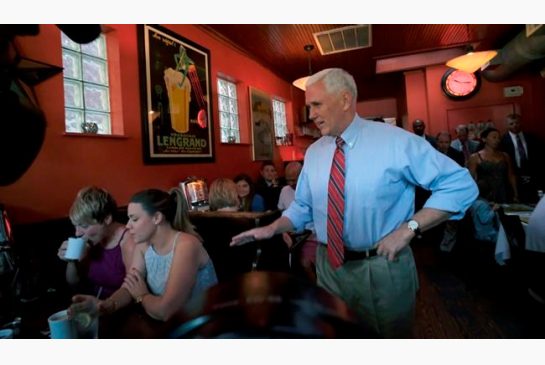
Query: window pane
101,119
280,124
96,98
227,105
95,70
68,43
73,119
223,104
232,90
233,121
86,101
224,120
232,136
96,48
73,94
224,135
233,106
221,87
71,62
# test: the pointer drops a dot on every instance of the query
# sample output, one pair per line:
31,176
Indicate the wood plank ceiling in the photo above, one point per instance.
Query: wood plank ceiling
280,47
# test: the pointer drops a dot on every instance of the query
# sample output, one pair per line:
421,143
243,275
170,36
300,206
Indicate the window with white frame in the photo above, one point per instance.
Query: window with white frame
86,86
280,124
228,110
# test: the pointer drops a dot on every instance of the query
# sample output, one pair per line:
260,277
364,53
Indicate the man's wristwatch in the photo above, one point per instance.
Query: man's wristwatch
415,227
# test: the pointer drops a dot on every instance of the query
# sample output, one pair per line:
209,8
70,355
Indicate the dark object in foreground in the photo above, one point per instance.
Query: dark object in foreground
263,304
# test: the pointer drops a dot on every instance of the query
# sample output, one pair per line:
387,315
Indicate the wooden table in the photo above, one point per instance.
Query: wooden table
133,322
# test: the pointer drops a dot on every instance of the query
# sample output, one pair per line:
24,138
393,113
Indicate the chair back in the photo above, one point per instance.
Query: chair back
513,230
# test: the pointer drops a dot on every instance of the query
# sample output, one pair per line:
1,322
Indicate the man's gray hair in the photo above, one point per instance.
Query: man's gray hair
335,81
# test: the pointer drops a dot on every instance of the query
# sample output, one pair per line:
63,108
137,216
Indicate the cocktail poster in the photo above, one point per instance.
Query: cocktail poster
176,94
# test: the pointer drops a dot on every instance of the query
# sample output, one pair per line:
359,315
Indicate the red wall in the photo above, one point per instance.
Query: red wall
67,163
426,100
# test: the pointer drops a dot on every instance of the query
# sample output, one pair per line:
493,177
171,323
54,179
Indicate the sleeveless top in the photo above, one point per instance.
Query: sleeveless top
106,269
495,174
158,268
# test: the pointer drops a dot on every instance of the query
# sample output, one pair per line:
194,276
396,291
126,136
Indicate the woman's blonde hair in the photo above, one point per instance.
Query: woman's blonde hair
92,206
223,194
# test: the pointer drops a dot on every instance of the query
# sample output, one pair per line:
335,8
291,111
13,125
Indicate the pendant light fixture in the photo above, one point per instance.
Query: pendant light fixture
302,81
472,61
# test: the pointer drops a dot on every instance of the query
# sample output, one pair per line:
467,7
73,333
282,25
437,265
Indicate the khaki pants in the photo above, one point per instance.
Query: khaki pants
383,293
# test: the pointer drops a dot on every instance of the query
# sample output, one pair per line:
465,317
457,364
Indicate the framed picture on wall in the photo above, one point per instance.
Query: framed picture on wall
175,96
261,115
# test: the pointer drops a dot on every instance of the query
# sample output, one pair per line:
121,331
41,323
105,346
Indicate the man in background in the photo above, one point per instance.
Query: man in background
463,144
419,128
450,230
443,145
269,185
525,151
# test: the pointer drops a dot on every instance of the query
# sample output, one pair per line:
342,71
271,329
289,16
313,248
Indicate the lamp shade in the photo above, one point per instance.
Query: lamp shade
472,61
301,83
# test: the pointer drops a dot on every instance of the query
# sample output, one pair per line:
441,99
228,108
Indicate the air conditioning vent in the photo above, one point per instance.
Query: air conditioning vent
344,39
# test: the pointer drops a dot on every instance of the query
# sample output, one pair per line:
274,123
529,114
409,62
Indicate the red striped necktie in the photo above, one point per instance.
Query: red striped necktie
335,208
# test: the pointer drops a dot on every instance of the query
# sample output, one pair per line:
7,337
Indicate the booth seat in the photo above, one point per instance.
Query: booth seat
217,229
36,245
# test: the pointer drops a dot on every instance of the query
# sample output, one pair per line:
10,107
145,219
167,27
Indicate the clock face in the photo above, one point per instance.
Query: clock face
460,85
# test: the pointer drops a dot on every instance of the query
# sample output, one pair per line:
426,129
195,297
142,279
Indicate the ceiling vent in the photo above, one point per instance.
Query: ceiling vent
344,39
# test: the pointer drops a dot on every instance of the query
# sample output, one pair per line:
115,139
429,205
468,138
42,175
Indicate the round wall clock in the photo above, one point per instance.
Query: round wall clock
460,85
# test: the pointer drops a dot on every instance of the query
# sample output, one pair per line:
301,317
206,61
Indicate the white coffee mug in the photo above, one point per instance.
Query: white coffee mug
75,249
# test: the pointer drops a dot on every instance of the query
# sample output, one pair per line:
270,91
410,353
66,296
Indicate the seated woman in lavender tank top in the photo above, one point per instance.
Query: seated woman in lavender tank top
109,248
170,265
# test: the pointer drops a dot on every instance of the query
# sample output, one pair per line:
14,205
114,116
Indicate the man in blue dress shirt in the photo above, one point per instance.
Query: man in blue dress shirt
384,164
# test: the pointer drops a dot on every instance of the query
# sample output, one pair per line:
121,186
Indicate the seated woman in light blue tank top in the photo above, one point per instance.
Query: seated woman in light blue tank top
170,265
158,268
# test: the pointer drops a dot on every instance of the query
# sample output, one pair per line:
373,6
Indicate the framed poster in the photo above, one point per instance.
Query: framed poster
176,94
261,115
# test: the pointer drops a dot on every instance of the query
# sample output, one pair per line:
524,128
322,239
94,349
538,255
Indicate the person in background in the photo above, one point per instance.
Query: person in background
307,256
364,218
535,252
419,128
287,194
223,196
463,144
444,146
525,152
495,167
249,200
170,265
269,185
450,230
483,213
110,248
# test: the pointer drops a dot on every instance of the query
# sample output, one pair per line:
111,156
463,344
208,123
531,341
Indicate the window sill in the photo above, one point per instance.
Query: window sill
235,144
94,135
